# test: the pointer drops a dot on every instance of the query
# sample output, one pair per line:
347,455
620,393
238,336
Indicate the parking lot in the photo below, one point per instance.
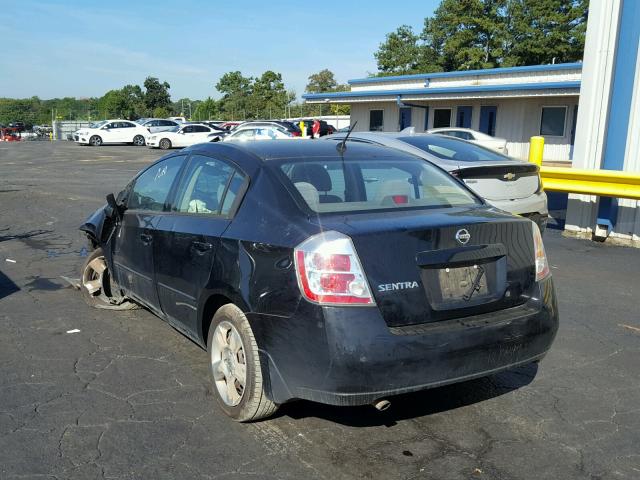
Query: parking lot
126,396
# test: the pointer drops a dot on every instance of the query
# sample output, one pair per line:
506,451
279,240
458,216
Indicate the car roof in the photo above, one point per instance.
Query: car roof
282,149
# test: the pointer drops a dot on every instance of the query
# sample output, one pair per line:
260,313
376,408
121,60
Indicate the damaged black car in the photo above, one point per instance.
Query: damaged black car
338,274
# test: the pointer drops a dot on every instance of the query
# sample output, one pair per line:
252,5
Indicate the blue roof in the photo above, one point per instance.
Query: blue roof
430,91
463,73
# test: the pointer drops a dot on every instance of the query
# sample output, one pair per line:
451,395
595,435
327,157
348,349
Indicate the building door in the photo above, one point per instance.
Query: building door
463,117
405,117
488,120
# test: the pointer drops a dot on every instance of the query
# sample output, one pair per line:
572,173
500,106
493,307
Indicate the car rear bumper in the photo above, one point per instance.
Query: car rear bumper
533,207
349,356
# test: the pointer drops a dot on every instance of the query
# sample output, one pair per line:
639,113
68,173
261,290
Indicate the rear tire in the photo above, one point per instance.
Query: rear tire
238,384
95,141
138,141
165,144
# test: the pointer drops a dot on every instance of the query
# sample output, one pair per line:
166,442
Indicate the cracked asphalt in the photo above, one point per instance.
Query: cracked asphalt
129,397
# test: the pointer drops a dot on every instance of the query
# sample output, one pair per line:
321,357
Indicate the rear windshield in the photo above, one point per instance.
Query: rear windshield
449,148
365,184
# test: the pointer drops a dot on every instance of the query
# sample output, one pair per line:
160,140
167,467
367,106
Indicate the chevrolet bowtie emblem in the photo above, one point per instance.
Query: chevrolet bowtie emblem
509,176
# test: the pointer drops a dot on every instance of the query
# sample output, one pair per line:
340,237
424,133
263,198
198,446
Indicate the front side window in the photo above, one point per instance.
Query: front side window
552,121
332,185
245,134
151,189
209,187
441,117
448,148
376,121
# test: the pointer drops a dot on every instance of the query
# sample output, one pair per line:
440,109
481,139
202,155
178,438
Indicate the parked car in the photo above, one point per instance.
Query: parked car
217,127
231,125
290,127
178,119
155,125
342,276
18,126
111,131
509,184
479,138
183,135
250,132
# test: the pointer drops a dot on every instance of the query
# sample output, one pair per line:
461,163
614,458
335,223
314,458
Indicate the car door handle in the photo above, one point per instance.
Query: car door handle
201,247
146,238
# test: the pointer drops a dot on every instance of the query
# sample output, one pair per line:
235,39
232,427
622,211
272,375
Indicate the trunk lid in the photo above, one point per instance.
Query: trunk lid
508,181
419,272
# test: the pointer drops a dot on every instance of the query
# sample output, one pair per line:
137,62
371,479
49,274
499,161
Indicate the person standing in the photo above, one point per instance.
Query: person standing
315,129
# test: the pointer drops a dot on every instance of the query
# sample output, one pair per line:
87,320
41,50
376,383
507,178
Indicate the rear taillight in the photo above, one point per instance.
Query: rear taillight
542,265
296,134
329,271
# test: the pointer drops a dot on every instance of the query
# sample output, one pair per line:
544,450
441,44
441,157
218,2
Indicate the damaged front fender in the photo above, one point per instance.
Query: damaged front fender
97,227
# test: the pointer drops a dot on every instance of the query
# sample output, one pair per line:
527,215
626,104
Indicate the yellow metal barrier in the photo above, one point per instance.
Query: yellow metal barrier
606,183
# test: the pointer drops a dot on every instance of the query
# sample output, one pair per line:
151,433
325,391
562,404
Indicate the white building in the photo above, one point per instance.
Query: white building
608,134
513,103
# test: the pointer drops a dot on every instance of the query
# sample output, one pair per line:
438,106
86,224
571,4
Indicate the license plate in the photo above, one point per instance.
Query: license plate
462,283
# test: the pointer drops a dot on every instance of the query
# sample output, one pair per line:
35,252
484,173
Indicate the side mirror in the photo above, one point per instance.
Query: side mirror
113,209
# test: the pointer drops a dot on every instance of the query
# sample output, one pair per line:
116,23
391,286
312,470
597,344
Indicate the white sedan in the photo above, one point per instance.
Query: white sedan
250,133
479,138
111,131
183,136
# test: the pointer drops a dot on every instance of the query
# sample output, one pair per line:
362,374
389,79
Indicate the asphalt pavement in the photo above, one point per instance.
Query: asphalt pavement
88,393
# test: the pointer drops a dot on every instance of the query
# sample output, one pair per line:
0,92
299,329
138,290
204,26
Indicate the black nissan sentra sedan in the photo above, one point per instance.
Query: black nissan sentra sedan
310,271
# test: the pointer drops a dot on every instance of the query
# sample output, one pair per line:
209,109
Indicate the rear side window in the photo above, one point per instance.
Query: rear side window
152,187
369,184
209,187
448,148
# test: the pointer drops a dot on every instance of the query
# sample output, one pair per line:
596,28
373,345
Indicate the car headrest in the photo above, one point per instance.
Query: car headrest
312,173
309,193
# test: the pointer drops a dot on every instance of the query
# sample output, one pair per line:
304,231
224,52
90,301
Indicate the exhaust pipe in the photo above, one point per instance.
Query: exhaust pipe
381,405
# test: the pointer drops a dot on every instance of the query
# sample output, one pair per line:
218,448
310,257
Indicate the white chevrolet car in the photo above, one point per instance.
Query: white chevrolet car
111,131
183,135
479,138
509,184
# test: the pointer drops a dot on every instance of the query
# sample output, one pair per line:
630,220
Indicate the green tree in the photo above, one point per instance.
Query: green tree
323,81
127,102
400,52
156,94
236,91
268,95
475,34
206,110
545,31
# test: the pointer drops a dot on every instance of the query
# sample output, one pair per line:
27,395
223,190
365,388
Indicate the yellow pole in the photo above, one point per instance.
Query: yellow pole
536,150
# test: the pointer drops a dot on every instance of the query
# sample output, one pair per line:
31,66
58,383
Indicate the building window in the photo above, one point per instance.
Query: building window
552,121
441,117
376,120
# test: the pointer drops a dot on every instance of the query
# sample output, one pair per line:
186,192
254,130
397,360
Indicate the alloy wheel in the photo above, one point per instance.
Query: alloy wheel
95,278
229,363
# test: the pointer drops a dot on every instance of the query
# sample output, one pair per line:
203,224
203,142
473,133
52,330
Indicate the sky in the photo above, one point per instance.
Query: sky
84,48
